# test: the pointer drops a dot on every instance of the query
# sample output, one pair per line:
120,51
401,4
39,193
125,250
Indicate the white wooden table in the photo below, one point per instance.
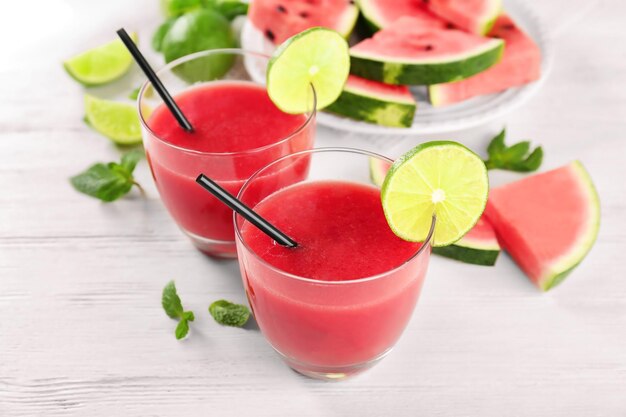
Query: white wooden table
82,332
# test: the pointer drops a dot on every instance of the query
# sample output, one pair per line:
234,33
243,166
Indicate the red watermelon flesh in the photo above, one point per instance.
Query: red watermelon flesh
474,16
409,39
547,222
520,64
382,13
281,19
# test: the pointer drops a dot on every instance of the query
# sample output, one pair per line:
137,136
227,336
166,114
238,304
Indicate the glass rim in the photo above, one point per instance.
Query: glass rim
426,243
234,51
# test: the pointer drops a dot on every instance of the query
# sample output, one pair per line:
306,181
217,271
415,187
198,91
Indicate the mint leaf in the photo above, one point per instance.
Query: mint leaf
230,9
513,158
229,314
178,7
134,94
171,301
182,329
174,309
108,182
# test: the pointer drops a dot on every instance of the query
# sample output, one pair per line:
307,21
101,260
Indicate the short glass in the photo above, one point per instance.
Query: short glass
203,218
327,329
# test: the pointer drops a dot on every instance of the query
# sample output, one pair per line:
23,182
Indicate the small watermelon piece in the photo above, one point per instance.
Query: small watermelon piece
547,222
375,102
474,16
520,64
380,14
281,19
479,246
405,53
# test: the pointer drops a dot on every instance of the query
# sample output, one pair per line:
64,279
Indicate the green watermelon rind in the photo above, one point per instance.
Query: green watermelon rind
368,15
468,254
368,107
426,71
560,269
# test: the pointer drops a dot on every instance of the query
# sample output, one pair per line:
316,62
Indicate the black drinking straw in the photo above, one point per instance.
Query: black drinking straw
245,211
156,82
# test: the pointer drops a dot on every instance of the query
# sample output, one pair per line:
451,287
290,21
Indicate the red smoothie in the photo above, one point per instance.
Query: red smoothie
336,316
237,130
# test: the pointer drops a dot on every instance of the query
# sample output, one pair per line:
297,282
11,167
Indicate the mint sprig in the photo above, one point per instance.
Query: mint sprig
229,314
517,157
174,309
108,182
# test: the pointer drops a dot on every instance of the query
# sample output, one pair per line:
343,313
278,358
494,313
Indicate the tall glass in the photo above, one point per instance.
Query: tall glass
203,218
327,329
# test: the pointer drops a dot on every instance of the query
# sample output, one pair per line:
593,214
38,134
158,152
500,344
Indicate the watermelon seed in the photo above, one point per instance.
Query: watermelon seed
508,27
304,15
281,8
450,26
270,35
429,48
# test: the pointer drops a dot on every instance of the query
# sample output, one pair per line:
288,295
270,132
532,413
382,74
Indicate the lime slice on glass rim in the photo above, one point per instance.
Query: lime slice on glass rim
100,65
117,121
316,56
440,178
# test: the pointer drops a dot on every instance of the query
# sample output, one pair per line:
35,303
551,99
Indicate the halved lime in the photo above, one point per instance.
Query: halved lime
443,178
315,56
100,65
117,121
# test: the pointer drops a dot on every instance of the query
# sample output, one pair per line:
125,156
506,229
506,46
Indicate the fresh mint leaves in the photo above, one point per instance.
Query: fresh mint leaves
229,314
517,157
108,182
174,309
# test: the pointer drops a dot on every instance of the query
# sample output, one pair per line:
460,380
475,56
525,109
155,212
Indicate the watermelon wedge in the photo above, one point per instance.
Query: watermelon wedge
380,14
474,16
375,102
547,222
520,64
404,53
479,246
281,19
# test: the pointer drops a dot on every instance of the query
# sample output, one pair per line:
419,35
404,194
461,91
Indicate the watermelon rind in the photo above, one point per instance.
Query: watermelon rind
404,70
378,171
559,269
367,106
471,252
348,21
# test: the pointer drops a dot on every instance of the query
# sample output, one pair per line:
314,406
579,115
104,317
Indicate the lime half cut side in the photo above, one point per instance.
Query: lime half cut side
442,178
100,65
317,57
117,121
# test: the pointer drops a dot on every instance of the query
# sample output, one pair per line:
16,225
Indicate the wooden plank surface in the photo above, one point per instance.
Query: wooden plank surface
82,332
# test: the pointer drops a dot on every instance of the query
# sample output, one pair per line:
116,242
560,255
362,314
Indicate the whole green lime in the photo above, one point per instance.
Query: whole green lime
198,31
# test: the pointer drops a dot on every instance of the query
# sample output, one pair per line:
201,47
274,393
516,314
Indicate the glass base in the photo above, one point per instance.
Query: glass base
223,249
331,373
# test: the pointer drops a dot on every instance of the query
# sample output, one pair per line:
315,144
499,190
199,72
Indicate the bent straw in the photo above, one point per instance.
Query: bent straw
245,212
156,82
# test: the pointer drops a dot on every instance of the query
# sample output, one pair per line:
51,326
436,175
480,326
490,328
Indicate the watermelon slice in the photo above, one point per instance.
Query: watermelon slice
547,222
375,102
479,246
380,14
520,64
404,53
474,16
281,19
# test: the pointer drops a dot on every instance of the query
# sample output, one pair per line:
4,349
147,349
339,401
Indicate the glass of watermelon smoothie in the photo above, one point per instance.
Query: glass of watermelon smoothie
335,305
237,130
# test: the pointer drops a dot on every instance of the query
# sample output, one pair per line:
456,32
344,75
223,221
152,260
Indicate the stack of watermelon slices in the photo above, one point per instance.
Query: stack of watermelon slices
458,48
547,222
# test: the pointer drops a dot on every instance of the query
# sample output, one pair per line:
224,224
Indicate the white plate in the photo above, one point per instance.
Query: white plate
430,120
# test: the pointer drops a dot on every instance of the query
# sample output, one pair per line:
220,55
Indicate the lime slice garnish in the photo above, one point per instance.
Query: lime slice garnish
315,56
117,121
442,178
102,64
